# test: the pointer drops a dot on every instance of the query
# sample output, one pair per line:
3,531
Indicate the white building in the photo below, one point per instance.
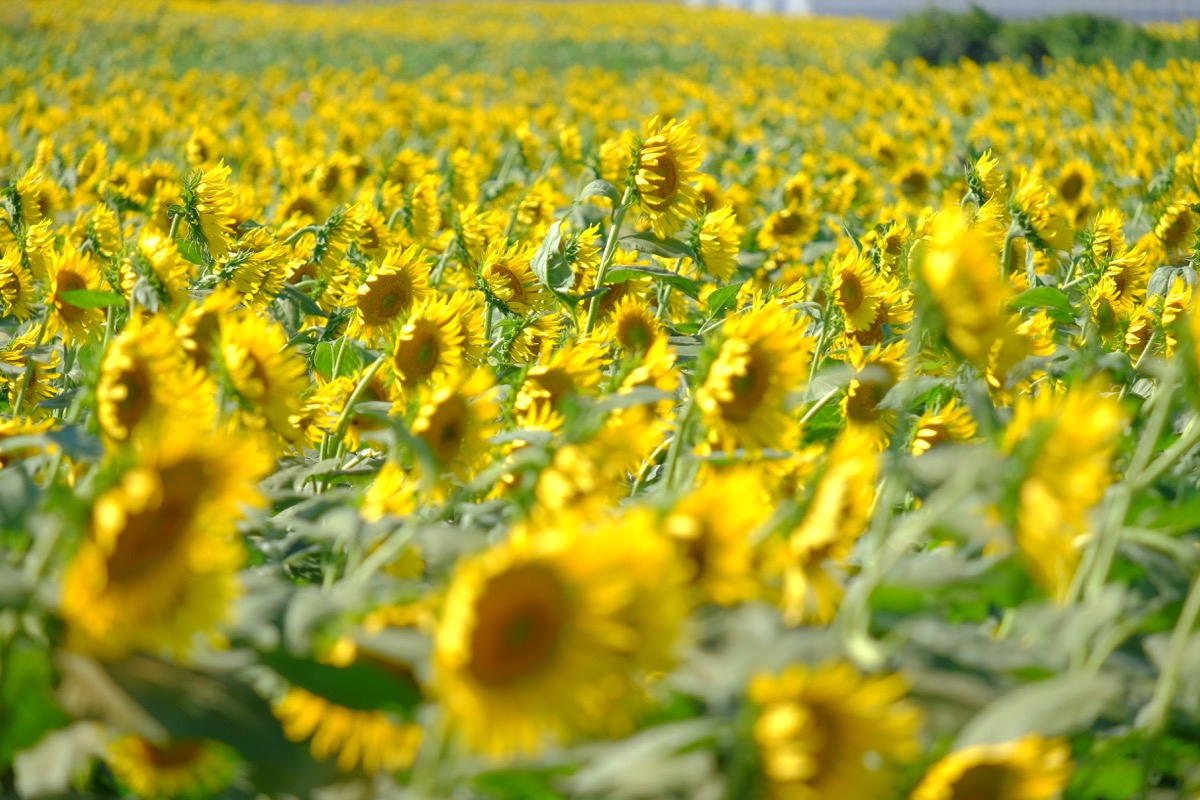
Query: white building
1144,10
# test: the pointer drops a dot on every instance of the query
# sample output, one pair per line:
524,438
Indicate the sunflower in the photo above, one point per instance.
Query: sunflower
429,345
963,277
42,371
858,291
665,169
591,476
551,635
877,371
267,378
1066,442
71,271
11,427
558,375
259,267
509,279
835,515
632,326
717,241
534,335
390,292
422,217
1107,236
1029,205
984,177
160,562
210,204
1030,768
17,292
950,423
156,260
184,768
788,227
763,357
829,732
392,493
199,329
456,420
1176,228
713,526
146,378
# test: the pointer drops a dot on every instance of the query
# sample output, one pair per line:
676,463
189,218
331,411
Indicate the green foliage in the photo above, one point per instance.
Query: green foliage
944,37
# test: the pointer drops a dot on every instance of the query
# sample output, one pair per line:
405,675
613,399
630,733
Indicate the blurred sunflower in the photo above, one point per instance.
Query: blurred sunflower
145,378
185,768
209,203
509,278
632,326
550,636
1066,442
456,419
17,291
159,564
156,260
665,169
858,291
558,375
829,732
951,423
764,355
877,371
717,241
265,377
1030,768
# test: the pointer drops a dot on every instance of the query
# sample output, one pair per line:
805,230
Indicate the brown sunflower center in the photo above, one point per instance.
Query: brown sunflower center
417,353
134,382
1071,187
152,535
385,297
446,428
521,614
69,281
983,782
747,390
851,293
788,223
176,754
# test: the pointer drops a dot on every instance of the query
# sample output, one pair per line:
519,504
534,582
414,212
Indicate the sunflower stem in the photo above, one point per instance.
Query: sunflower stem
1006,255
174,228
610,251
821,403
24,387
1109,537
1154,717
1170,457
671,465
348,409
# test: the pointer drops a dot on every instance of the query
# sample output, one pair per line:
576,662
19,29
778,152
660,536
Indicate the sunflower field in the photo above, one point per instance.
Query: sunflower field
516,400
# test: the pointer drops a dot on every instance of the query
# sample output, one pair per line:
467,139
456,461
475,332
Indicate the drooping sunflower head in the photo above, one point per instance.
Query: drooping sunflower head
429,345
184,768
1029,768
566,372
210,204
831,732
390,292
455,420
1107,236
17,291
265,376
156,262
763,357
509,278
665,171
717,242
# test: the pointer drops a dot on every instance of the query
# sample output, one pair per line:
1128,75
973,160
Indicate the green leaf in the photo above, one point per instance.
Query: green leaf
549,263
1043,297
520,784
600,188
91,298
722,298
190,251
194,704
659,246
363,686
27,697
1058,706
683,284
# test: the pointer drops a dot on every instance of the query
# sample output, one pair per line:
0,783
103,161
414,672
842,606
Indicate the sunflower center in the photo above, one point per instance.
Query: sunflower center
521,614
384,298
635,333
851,292
178,754
68,282
417,354
983,782
1071,187
135,383
668,177
788,222
446,428
152,535
747,390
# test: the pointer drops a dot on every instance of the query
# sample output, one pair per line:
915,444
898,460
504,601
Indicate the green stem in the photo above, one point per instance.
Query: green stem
1006,255
1109,537
355,396
610,251
296,236
25,380
821,403
174,227
1155,716
671,465
1170,457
